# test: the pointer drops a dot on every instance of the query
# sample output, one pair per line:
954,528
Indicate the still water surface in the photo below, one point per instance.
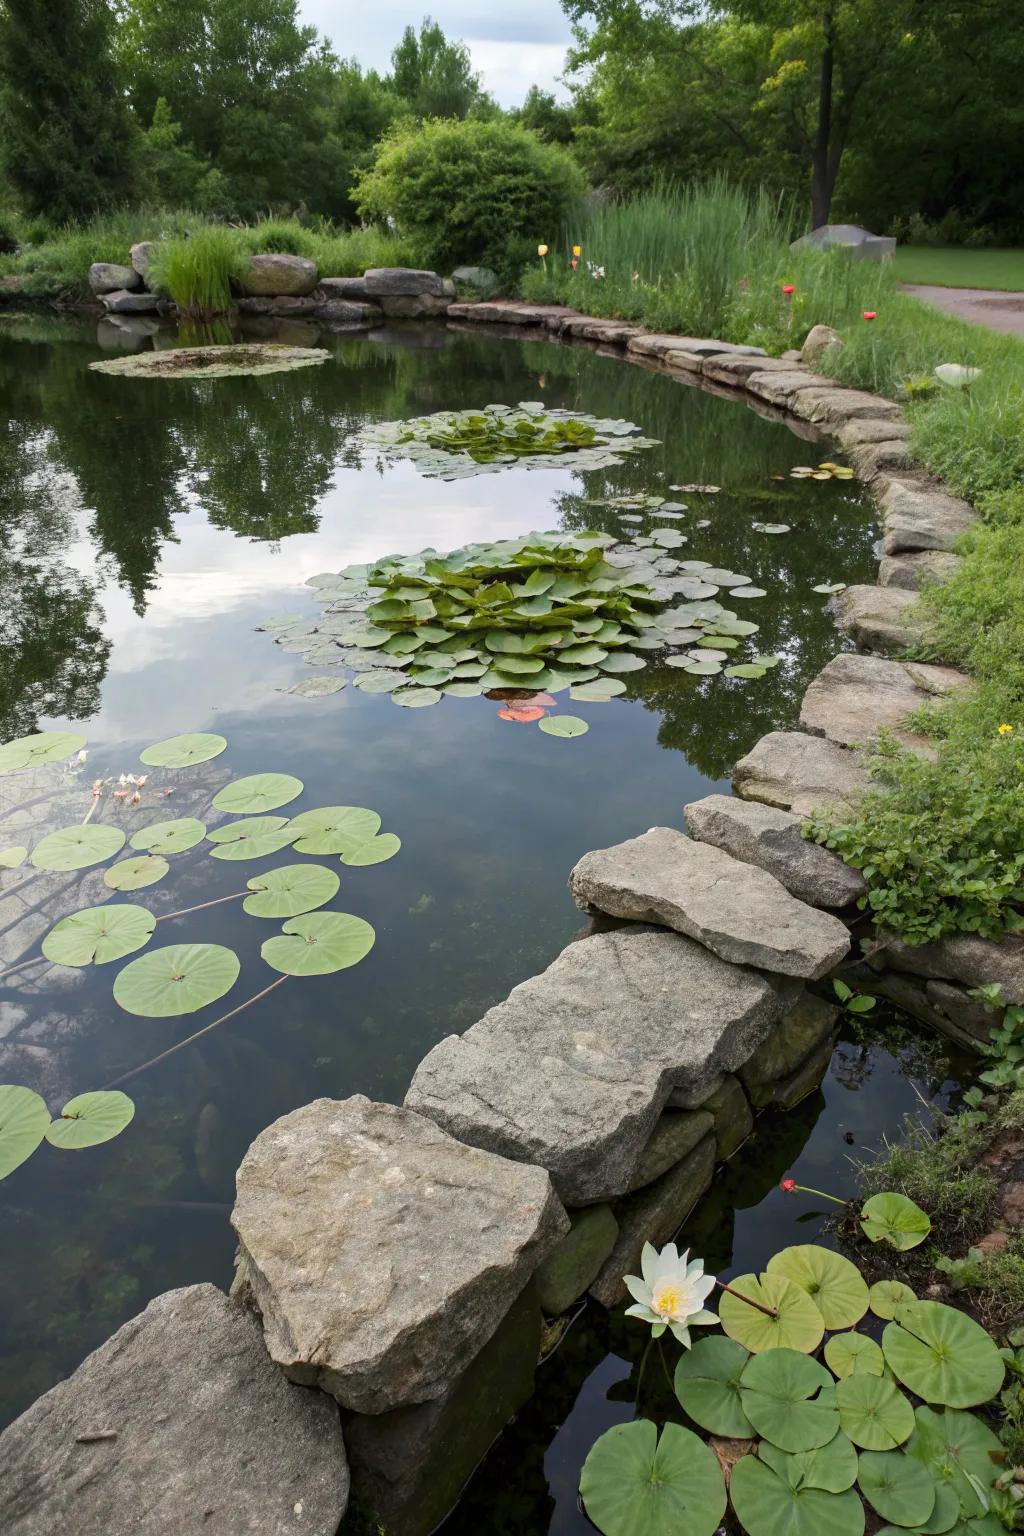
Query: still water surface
146,529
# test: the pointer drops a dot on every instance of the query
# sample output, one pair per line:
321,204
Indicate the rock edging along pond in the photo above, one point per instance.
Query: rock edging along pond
402,1259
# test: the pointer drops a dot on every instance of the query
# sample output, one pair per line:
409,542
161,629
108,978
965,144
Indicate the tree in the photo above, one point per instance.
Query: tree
433,77
66,130
551,120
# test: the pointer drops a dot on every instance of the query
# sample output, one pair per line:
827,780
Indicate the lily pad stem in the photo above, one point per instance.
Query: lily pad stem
183,912
643,1363
125,1077
768,1311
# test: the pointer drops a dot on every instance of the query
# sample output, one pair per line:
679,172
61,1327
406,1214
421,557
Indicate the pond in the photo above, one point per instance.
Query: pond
149,527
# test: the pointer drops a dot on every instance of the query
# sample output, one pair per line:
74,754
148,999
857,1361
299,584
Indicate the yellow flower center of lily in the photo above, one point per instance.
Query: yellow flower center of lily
671,1301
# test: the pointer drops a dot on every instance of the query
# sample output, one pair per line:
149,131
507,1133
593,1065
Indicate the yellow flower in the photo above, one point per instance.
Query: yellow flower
577,249
1005,730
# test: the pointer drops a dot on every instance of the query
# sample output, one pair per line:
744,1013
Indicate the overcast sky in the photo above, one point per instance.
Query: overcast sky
514,45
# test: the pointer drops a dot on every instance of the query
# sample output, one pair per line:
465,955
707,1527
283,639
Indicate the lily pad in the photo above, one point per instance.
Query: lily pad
873,1412
834,1284
376,851
97,935
251,838
745,669
258,793
790,1399
315,688
959,1451
42,747
703,668
416,698
831,1467
770,527
463,690
749,592
77,847
183,751
180,978
942,1355
319,944
563,725
853,1354
333,828
885,1296
599,691
893,1219
291,890
12,858
24,1118
91,1118
381,681
635,1484
896,1486
170,836
622,661
134,874
766,1505
798,1324
707,1384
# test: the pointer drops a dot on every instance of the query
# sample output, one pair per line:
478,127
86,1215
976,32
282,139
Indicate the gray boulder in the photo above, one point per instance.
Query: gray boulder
570,1269
402,282
653,1215
805,1031
674,1137
882,619
122,302
802,774
863,430
353,288
733,1120
278,275
858,243
917,516
854,697
763,835
822,341
141,257
573,1069
916,569
963,957
737,910
109,277
836,405
413,306
345,312
381,1253
178,1424
780,386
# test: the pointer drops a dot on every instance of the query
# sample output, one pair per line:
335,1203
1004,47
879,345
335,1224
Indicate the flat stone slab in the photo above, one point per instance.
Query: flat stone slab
111,277
653,1215
876,460
963,957
763,835
913,570
381,1253
871,429
401,282
573,1069
802,774
779,387
805,1029
736,910
835,404
915,516
123,302
882,619
179,1424
855,697
726,368
511,312
674,1137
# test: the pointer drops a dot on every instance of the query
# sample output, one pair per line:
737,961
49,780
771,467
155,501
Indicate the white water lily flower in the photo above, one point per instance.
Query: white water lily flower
671,1293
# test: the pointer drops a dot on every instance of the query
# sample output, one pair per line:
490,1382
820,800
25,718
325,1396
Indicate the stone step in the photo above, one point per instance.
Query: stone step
179,1423
880,619
573,1069
737,910
854,697
772,839
915,515
381,1253
803,774
916,568
779,387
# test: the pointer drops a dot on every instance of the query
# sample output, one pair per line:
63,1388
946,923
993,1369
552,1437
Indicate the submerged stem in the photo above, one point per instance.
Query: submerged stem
126,1076
643,1362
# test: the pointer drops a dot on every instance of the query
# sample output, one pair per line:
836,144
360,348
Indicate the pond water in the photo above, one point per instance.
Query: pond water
147,527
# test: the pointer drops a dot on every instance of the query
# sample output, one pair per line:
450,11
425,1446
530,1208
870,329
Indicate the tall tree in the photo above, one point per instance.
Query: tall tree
65,126
432,76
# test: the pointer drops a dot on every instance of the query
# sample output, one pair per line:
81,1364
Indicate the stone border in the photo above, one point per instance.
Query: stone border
401,1258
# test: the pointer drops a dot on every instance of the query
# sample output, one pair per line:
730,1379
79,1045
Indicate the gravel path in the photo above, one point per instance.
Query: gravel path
996,309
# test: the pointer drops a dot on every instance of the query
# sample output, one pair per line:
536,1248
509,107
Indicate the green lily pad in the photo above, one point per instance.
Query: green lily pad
319,944
315,688
703,668
942,1355
799,1324
873,1412
944,1516
377,850
582,655
463,690
893,1219
622,661
563,725
134,874
790,1399
12,858
416,698
180,978
766,1505
599,691
251,838
24,1118
183,751
258,793
42,747
745,669
959,1451
885,1296
97,935
634,1484
853,1354
291,890
834,1284
77,847
333,828
381,681
896,1486
170,836
91,1118
831,1467
707,1385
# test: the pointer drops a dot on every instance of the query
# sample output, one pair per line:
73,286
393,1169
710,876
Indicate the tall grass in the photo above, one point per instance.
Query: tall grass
197,271
337,252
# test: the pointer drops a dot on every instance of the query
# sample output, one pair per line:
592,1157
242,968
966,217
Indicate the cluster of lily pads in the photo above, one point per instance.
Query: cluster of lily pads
879,1423
179,979
456,444
540,614
824,471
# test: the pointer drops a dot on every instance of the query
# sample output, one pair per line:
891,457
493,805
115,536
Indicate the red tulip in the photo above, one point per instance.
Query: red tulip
574,263
870,314
788,288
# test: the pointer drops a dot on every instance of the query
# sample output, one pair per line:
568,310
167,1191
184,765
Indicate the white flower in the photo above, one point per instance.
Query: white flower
82,756
671,1293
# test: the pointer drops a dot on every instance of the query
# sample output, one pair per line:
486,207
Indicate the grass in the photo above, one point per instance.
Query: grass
197,272
956,267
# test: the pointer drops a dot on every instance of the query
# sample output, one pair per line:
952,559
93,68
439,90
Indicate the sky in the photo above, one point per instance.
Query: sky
513,45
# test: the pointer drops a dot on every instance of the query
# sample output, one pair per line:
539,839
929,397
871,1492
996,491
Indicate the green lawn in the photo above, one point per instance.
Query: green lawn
954,267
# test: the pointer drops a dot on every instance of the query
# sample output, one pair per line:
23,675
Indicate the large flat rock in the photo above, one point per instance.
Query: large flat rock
401,282
860,430
737,910
915,569
276,274
780,386
917,516
763,835
963,957
179,1424
381,1253
834,404
573,1069
882,619
854,697
802,774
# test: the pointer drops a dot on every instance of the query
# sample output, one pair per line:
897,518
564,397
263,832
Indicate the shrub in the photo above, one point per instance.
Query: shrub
471,192
196,271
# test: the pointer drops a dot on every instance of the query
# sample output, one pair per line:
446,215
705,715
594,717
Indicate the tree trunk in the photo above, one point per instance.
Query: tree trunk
824,163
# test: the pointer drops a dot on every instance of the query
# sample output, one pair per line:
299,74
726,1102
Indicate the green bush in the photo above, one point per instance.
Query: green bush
471,192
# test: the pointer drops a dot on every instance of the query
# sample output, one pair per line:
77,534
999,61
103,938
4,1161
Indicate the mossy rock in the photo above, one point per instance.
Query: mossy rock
567,1272
214,362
